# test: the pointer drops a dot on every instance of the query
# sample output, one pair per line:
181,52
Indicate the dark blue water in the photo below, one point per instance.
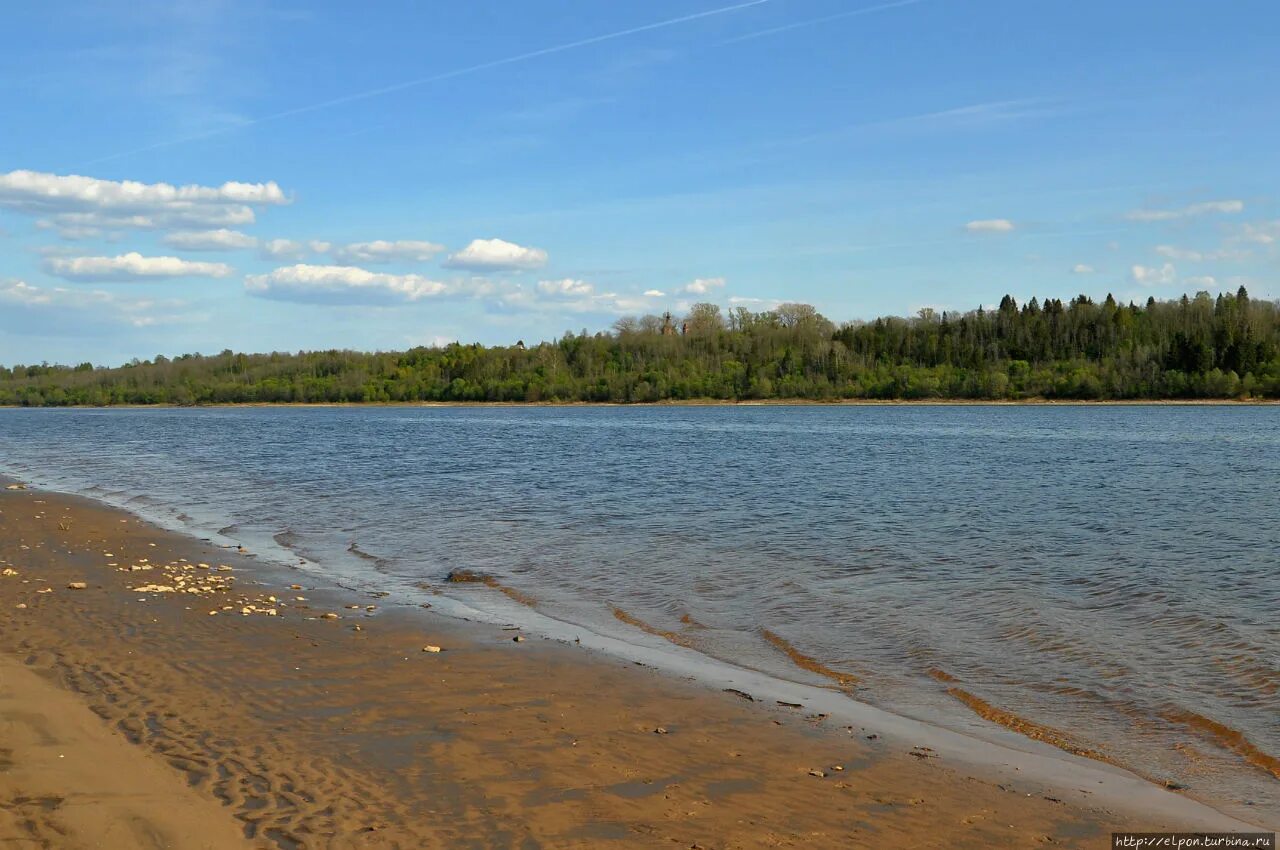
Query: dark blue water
1111,572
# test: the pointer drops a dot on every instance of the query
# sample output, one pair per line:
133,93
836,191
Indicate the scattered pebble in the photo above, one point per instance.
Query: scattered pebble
432,648
77,585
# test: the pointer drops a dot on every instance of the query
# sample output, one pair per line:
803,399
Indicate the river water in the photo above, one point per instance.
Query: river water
1104,577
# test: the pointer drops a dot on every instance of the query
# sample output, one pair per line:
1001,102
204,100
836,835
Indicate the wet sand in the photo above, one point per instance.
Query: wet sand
327,726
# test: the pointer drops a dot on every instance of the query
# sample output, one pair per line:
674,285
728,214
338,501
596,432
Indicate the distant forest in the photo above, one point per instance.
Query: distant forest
1198,347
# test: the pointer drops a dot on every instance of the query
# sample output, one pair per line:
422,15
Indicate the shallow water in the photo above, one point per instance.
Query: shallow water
1111,573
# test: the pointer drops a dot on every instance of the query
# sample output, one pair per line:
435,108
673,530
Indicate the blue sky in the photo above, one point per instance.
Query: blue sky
269,175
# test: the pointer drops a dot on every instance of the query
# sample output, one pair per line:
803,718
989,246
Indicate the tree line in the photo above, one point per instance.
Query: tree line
1195,347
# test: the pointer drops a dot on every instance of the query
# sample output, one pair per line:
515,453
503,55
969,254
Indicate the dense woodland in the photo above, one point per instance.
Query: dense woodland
1195,347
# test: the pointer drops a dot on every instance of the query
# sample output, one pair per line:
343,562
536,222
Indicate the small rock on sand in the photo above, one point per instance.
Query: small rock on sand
77,585
329,616
432,648
16,487
821,774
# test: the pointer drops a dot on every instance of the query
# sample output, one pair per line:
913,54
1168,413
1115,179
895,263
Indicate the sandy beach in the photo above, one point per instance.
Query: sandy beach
161,691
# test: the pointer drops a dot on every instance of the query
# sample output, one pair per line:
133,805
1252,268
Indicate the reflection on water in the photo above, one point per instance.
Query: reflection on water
1105,579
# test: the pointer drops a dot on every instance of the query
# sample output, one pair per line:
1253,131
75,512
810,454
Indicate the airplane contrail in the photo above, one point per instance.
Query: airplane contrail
852,13
445,75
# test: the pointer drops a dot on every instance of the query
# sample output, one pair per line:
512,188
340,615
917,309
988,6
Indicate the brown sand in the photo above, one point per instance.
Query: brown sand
311,733
67,781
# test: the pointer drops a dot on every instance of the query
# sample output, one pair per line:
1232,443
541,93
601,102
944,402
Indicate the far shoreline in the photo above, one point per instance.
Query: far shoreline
785,402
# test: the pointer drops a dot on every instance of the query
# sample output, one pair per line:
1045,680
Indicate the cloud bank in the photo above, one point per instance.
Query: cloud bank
1191,211
990,225
131,267
382,251
210,240
341,284
703,285
83,205
1153,276
55,304
496,255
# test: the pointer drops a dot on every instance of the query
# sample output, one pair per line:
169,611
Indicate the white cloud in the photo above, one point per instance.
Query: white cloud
382,251
764,303
289,249
1175,253
210,240
70,232
564,296
703,285
1207,281
344,284
990,225
1205,208
497,255
1263,233
131,266
1215,207
1191,255
567,287
654,293
78,203
1082,268
52,306
1152,276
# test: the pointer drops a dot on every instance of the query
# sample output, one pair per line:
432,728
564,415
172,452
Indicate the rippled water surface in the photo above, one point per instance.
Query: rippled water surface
1112,573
